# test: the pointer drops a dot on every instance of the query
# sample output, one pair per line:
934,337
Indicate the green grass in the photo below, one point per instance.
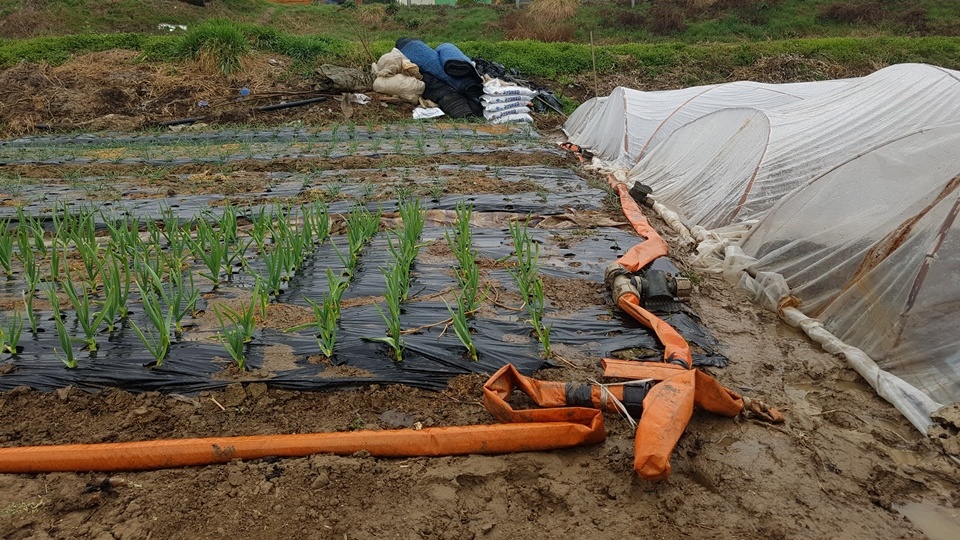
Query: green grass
707,62
219,40
610,22
57,50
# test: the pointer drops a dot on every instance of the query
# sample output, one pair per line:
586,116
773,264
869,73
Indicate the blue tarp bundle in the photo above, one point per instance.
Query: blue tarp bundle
427,59
458,67
451,69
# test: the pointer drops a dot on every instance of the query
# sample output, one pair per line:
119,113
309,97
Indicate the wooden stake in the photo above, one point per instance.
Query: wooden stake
593,56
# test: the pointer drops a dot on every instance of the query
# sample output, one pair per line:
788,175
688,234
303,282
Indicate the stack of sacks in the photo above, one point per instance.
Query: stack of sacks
504,102
451,80
398,76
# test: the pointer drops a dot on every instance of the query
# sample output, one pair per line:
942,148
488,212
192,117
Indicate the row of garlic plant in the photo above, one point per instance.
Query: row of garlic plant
283,236
468,277
361,226
97,272
526,274
397,275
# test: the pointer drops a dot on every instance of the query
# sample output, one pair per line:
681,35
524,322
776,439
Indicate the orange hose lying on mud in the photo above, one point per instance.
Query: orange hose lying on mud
653,245
522,430
669,404
636,258
668,407
674,346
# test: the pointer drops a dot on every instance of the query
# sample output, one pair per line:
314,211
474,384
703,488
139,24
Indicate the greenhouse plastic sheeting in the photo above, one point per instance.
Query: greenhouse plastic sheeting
732,165
623,127
852,196
872,249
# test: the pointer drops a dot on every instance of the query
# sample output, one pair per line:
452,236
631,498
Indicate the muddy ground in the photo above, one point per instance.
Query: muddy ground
844,465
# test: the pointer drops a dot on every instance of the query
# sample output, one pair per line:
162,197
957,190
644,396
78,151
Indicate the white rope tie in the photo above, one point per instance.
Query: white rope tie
606,395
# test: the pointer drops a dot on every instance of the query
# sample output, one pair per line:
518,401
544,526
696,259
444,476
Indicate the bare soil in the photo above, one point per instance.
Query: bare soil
844,465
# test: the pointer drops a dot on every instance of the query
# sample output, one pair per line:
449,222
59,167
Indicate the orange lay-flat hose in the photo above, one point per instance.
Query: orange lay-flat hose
710,396
652,247
523,430
667,409
171,453
636,258
668,405
674,346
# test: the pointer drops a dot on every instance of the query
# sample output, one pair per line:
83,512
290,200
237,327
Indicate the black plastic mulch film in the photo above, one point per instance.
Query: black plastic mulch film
431,357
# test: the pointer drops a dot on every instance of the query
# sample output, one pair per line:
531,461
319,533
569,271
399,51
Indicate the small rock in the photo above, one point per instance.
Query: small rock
64,393
235,478
321,480
255,390
234,395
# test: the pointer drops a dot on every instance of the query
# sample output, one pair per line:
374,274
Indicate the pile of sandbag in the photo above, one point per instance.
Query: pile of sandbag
545,99
397,76
504,102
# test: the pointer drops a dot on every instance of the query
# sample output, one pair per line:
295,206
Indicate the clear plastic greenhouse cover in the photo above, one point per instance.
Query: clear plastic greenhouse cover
855,194
872,249
624,126
732,165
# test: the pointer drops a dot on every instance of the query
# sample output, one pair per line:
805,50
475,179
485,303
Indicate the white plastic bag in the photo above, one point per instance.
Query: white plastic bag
422,113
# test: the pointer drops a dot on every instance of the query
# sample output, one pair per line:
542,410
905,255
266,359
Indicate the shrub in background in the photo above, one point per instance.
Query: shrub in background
545,20
217,43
